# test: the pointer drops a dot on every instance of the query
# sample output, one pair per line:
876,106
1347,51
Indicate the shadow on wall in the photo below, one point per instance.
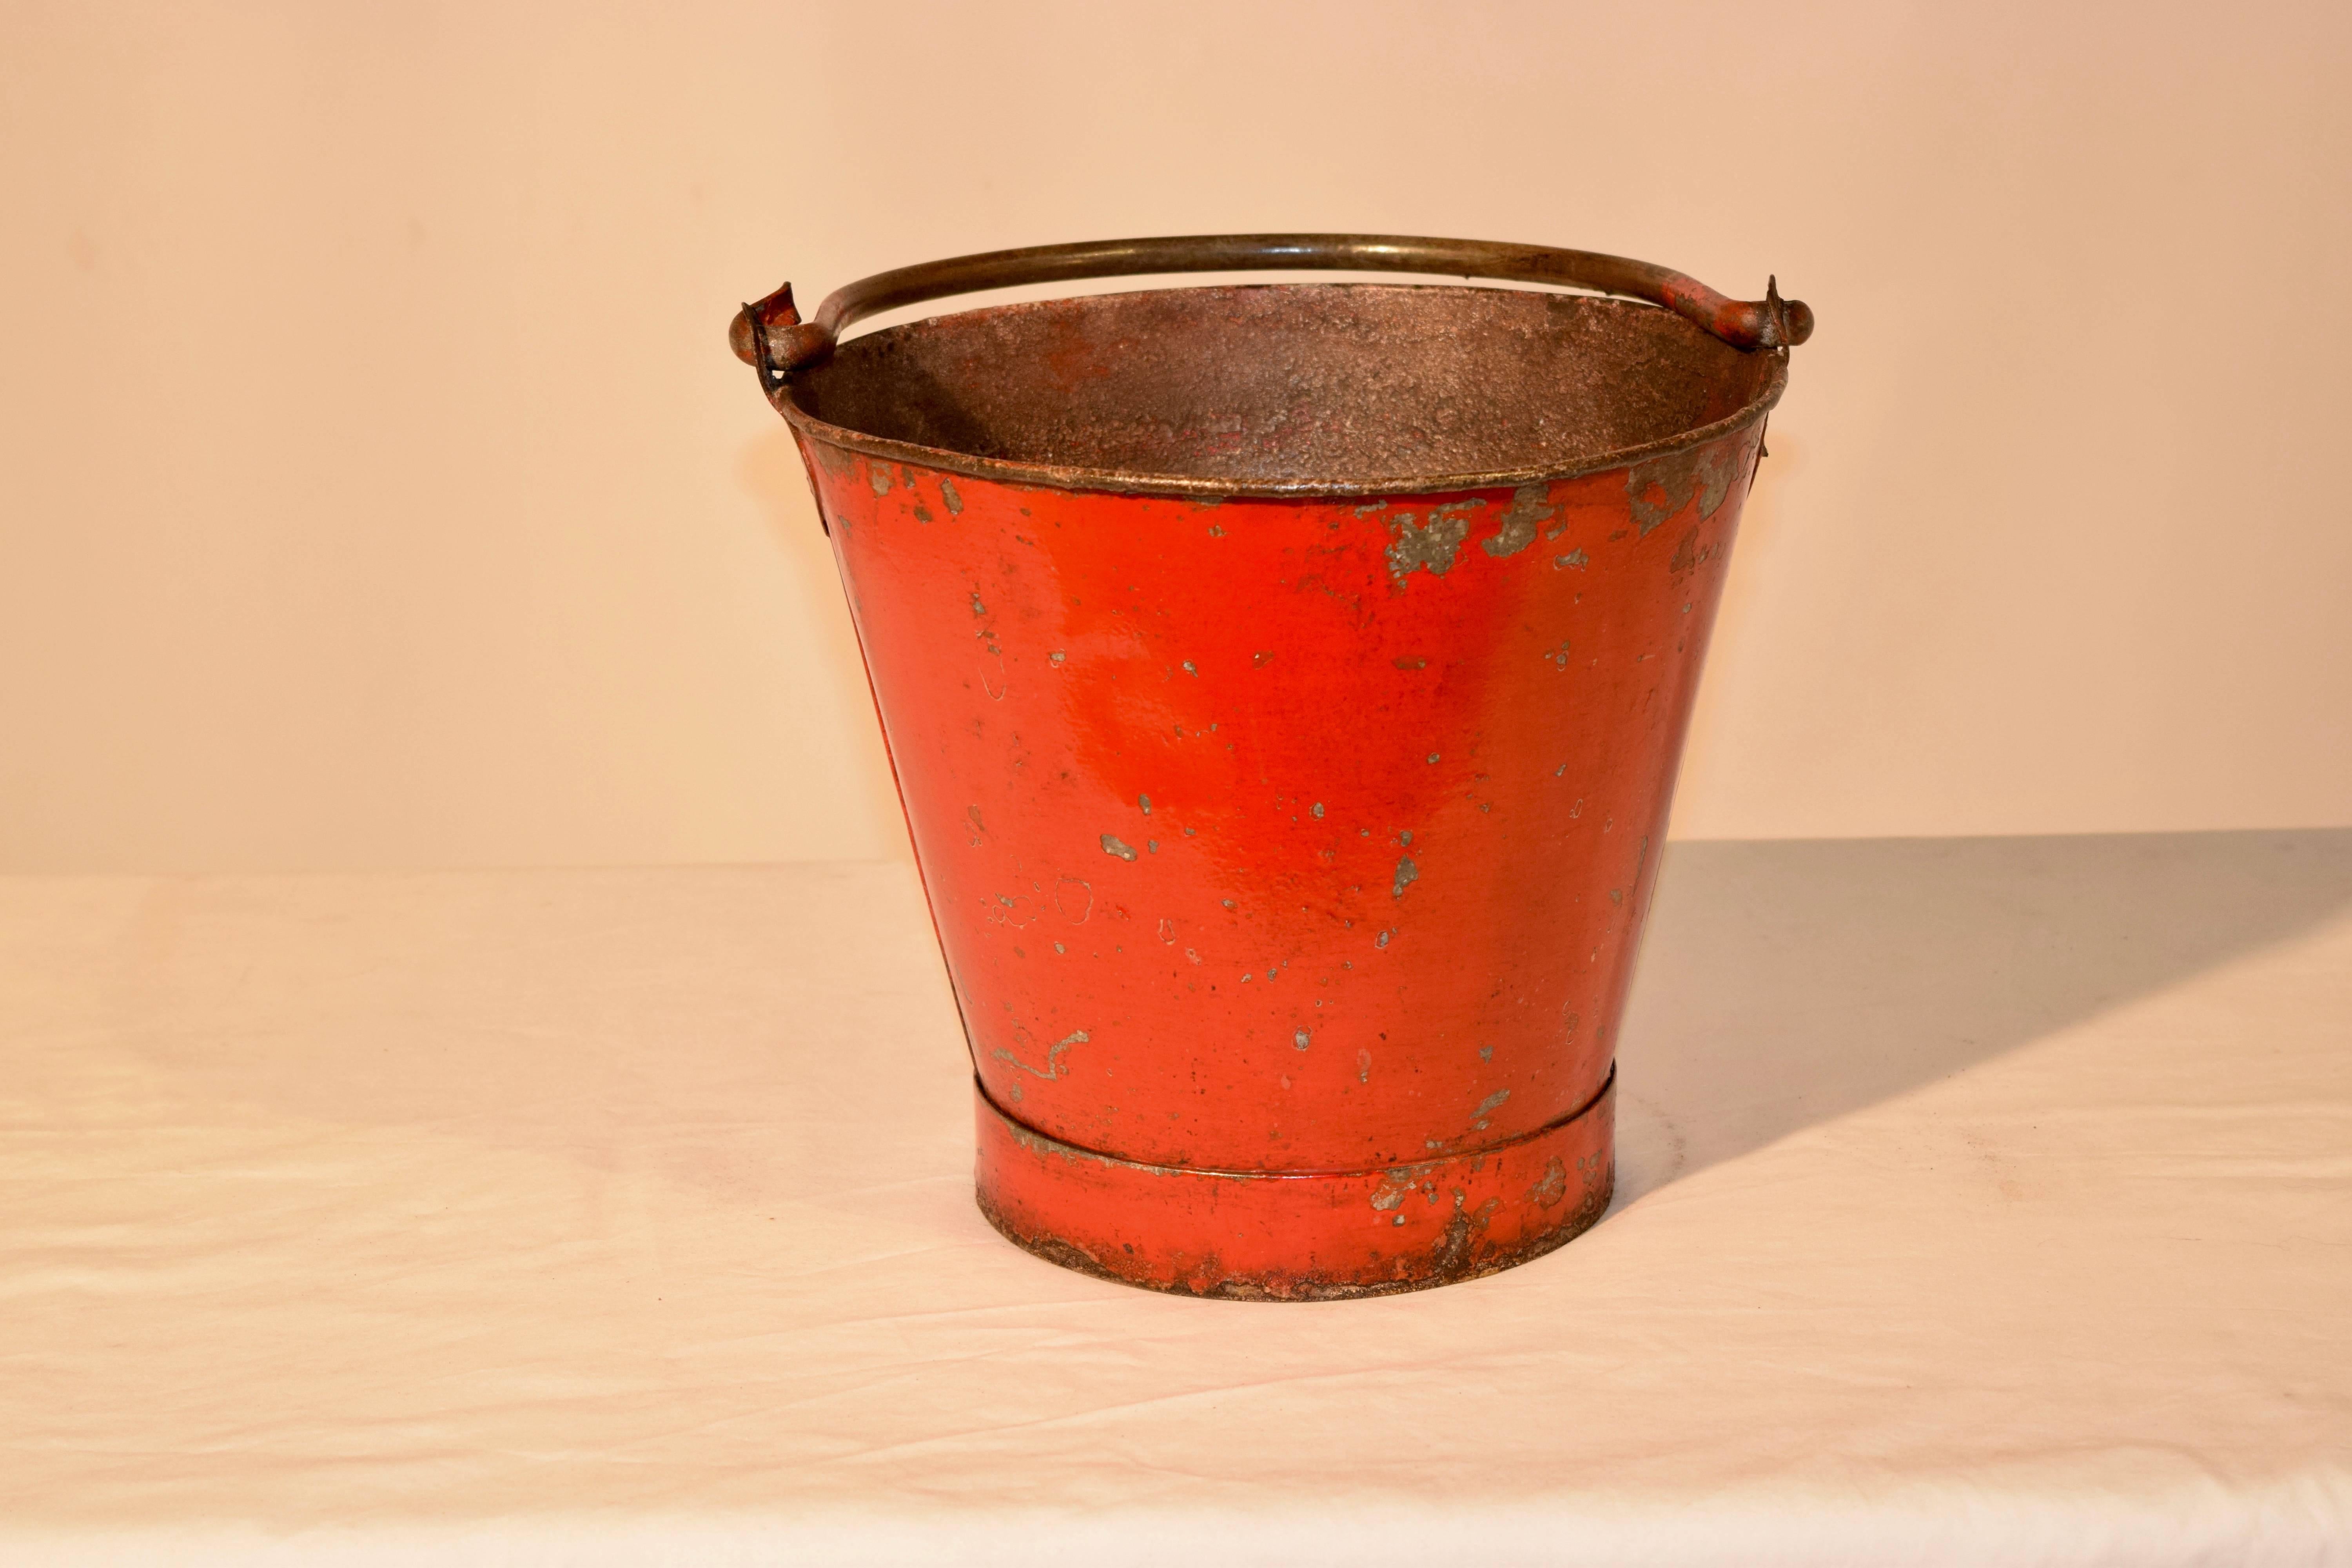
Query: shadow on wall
1785,983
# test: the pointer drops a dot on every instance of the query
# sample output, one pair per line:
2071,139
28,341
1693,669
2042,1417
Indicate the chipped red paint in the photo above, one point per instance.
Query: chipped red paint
1288,855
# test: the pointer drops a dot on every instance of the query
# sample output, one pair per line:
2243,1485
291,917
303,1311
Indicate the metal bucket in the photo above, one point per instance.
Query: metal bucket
1285,686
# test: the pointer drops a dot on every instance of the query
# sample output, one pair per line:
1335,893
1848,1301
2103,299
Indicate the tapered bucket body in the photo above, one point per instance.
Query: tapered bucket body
1287,825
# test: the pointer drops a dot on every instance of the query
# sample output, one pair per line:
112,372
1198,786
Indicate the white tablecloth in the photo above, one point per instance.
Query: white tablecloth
1981,1201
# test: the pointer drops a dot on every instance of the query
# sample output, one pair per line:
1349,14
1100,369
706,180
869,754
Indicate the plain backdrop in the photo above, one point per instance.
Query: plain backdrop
376,491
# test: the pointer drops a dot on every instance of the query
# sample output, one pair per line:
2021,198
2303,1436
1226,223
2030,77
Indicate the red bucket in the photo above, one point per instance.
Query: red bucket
1285,686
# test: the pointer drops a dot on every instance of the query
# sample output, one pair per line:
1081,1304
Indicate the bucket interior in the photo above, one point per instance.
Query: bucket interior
1291,385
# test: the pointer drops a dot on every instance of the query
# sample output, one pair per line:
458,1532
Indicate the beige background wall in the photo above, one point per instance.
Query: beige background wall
375,490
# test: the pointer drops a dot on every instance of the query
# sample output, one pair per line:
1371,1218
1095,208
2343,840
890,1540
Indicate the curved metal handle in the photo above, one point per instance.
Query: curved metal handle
783,343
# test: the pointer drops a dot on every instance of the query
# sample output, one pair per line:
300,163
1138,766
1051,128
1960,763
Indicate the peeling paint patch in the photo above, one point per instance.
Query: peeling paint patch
1527,509
1491,1103
948,494
1575,558
1298,1039
1689,555
878,476
1551,1187
1432,545
1407,873
1676,478
1315,811
1112,844
978,609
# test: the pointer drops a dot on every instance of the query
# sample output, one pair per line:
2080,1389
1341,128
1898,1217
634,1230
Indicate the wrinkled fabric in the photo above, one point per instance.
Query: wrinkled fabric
1980,1201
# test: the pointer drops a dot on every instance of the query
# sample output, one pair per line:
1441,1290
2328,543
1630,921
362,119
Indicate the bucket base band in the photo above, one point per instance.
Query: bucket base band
1296,1237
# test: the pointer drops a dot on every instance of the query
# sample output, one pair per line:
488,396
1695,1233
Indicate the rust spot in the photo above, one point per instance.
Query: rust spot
1456,1245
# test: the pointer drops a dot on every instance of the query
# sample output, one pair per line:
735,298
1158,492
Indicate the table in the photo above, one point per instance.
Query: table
1980,1200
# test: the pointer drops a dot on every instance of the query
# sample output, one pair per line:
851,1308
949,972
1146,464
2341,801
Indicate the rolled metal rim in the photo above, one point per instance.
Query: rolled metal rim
769,335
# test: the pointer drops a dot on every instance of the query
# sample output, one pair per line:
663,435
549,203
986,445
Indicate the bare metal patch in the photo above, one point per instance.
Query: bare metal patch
1053,1067
1550,1187
1527,509
1705,474
1431,545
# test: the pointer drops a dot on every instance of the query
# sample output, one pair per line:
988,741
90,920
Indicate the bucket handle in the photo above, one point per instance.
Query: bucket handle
786,343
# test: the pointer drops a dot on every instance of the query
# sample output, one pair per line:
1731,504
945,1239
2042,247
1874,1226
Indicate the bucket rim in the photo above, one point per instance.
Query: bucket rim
1024,474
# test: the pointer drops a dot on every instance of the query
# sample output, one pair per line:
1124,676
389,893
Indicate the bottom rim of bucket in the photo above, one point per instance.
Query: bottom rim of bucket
1296,1237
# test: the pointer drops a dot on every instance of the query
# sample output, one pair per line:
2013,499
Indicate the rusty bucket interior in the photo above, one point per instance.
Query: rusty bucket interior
1282,388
